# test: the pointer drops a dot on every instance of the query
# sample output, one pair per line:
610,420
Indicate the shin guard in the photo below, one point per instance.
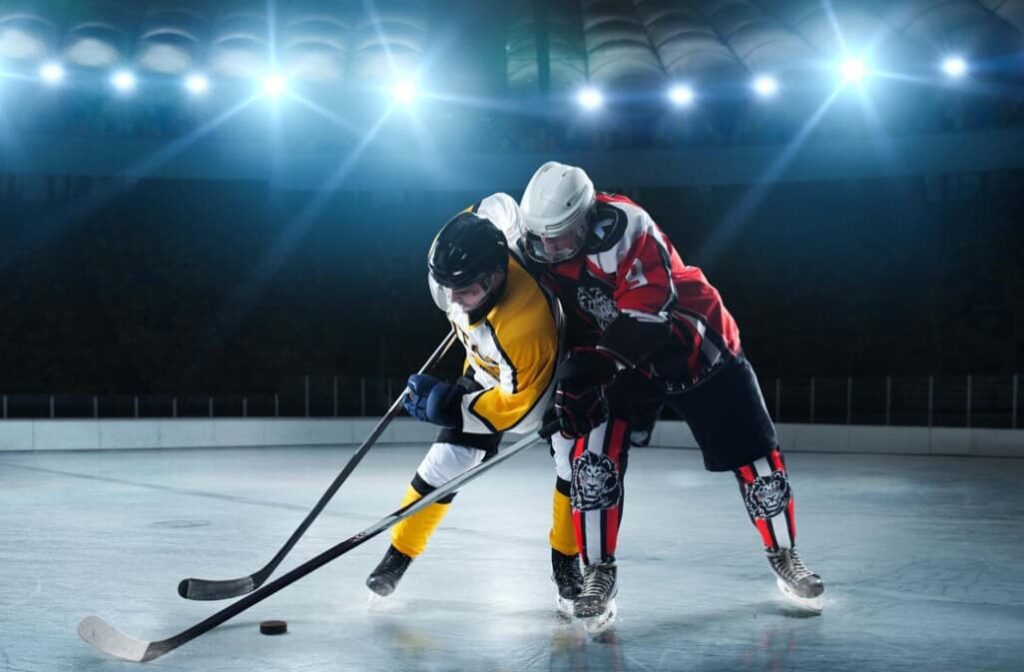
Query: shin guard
764,485
410,536
596,492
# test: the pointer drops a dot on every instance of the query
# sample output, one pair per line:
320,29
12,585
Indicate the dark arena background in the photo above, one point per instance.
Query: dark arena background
214,226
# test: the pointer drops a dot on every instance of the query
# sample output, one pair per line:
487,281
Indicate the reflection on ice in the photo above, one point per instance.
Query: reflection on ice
922,568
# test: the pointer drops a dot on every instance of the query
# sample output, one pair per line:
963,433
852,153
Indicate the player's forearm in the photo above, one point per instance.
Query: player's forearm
494,410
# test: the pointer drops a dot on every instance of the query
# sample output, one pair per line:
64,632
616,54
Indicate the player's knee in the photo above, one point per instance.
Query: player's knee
563,467
445,461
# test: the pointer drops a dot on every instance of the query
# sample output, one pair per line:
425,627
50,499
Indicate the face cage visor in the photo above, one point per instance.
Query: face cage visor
560,246
553,249
466,298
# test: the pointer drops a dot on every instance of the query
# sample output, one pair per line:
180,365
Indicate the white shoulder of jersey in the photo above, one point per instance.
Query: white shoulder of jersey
503,211
637,224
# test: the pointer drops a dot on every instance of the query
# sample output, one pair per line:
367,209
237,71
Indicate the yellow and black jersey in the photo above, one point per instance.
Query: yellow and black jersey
513,349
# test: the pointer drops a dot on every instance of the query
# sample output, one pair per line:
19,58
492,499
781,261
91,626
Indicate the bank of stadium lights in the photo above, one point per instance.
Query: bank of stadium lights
681,95
590,98
123,80
197,84
274,85
954,66
851,70
765,86
52,73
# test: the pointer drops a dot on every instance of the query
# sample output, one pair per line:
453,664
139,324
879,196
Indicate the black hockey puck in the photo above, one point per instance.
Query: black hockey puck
273,627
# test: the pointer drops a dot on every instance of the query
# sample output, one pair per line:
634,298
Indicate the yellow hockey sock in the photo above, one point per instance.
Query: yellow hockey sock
410,536
562,537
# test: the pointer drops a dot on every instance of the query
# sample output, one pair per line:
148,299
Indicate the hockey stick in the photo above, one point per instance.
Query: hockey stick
113,642
204,589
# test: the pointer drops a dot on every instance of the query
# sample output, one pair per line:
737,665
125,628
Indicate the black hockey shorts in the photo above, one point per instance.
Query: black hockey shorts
486,442
637,397
727,415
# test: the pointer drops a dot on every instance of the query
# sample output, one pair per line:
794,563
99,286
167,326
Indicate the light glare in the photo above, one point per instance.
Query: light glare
590,98
52,73
123,80
954,66
853,70
197,84
681,95
766,86
274,85
405,92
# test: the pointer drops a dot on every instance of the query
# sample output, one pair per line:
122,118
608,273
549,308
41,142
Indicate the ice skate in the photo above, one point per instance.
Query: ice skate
565,572
385,577
802,586
595,606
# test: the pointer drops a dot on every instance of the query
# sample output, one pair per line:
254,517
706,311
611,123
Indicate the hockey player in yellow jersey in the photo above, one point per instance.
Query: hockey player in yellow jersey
511,329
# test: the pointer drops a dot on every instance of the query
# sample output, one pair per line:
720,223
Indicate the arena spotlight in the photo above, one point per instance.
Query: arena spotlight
274,85
681,95
853,70
405,92
52,73
954,66
766,86
197,84
590,98
123,80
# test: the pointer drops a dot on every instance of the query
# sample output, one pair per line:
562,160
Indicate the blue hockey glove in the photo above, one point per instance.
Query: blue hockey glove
433,400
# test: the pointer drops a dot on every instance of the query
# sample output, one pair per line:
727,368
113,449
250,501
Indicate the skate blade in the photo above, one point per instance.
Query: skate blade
813,604
564,606
595,625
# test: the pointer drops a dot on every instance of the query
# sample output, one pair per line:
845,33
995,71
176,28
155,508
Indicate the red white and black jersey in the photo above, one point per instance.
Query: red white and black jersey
632,295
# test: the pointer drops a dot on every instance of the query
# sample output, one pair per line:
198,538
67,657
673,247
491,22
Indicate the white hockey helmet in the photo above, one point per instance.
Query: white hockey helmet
555,212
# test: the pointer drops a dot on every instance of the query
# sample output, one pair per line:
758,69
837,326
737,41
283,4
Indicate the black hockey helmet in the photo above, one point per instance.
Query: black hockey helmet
468,262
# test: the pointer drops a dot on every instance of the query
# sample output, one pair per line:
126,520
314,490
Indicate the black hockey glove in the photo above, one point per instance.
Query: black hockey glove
579,399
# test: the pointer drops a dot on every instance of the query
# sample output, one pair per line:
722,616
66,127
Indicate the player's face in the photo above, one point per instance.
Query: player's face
554,249
560,247
468,298
474,295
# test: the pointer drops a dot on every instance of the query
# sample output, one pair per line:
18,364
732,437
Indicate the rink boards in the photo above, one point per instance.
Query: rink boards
21,435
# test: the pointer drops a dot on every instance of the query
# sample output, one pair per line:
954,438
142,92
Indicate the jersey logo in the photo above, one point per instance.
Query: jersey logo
598,304
478,359
595,482
767,496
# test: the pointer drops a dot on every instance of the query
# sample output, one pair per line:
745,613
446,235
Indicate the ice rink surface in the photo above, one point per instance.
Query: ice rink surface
923,558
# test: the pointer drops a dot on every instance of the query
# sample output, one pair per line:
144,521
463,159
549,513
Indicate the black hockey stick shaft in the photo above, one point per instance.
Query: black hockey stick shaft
113,642
205,589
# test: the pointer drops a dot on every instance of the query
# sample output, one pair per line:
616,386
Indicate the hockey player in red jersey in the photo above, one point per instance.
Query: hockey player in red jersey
645,330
